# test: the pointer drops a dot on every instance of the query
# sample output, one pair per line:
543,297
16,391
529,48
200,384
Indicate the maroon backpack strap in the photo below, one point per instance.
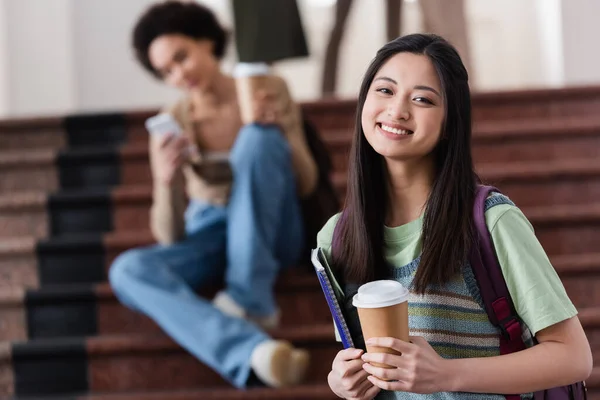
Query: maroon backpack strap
490,279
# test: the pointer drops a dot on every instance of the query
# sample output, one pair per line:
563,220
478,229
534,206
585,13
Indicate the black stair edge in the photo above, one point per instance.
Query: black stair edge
97,129
80,211
109,153
50,367
71,259
61,311
94,120
78,196
60,293
49,347
97,166
65,397
74,242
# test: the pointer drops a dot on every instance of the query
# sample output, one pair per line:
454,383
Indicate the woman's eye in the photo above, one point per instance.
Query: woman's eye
423,100
385,91
180,57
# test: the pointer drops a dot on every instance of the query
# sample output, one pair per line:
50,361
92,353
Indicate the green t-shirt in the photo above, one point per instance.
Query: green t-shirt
539,297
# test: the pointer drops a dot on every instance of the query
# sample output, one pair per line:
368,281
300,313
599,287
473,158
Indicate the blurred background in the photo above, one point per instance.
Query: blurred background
76,186
65,56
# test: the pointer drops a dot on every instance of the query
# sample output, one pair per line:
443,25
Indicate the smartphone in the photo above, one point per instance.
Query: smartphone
163,124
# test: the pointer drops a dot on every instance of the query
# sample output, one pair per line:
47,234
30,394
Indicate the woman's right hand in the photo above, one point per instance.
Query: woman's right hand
348,379
173,151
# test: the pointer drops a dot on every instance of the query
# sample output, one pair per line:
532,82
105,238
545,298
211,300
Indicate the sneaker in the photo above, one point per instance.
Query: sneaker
228,306
277,363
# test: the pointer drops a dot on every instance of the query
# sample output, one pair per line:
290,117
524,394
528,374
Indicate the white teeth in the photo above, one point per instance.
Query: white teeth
394,130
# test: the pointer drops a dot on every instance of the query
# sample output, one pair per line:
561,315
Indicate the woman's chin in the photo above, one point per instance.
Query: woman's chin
389,150
388,154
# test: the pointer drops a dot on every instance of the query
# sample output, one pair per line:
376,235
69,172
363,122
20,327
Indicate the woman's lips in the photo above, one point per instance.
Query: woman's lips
392,133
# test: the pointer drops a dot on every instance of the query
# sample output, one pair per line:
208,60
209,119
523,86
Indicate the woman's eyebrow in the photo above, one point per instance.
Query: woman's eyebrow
427,88
385,78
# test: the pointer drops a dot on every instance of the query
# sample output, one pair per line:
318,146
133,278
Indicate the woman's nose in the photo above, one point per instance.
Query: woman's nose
398,110
177,75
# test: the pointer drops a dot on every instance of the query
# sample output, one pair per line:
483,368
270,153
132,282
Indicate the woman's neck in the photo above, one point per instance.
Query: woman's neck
409,185
220,91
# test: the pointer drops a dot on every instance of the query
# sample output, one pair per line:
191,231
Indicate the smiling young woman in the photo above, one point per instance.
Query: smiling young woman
408,216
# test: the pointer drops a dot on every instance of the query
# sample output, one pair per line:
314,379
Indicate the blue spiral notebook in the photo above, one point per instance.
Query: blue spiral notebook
333,294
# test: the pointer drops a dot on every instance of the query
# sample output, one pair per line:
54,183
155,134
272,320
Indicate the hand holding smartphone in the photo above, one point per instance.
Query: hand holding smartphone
214,168
173,148
163,124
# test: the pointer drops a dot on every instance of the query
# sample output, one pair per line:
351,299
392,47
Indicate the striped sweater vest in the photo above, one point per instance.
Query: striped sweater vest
452,319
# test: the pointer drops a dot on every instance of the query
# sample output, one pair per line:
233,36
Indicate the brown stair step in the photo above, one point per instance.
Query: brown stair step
24,214
25,170
580,274
303,392
116,364
18,262
542,140
92,309
19,133
502,106
545,170
566,230
590,320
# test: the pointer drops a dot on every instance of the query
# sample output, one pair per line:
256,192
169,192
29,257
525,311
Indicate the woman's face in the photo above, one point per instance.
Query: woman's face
183,62
404,110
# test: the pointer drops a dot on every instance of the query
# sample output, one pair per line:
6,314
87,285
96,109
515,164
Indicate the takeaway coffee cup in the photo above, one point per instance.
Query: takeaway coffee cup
249,79
383,312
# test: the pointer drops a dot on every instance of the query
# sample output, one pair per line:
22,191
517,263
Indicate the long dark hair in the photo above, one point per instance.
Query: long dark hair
447,227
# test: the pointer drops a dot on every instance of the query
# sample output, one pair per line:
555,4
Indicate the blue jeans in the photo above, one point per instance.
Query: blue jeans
246,242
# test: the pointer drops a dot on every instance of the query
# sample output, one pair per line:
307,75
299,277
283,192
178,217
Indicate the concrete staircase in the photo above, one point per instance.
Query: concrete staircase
75,192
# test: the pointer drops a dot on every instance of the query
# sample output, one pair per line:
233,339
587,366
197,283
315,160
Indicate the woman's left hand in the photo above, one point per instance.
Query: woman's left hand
273,104
269,107
418,370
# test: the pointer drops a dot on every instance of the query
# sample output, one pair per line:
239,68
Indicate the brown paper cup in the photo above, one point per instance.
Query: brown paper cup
249,78
383,312
247,88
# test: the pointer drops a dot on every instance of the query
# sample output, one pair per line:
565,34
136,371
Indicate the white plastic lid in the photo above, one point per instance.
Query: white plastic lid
378,294
243,70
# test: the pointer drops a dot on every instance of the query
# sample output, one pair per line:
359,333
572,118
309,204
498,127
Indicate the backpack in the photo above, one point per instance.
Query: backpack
498,303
